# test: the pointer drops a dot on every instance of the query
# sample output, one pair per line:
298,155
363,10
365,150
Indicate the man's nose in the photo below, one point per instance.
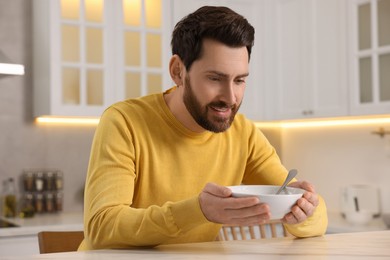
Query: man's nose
229,95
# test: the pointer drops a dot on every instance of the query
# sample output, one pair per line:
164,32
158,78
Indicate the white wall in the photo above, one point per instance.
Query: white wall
332,157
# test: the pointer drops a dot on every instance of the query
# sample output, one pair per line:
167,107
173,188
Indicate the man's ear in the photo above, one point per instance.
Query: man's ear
176,68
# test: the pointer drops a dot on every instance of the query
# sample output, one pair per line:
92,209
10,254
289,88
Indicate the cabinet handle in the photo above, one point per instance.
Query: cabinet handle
307,112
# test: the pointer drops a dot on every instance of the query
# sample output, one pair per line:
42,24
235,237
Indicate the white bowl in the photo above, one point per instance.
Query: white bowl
280,204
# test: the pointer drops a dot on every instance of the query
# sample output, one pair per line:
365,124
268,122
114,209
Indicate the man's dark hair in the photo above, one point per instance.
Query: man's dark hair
210,22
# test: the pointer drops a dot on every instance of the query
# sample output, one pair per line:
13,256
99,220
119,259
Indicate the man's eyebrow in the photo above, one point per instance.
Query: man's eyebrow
221,74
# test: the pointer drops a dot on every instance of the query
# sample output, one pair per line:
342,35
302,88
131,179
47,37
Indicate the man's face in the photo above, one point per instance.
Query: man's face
215,85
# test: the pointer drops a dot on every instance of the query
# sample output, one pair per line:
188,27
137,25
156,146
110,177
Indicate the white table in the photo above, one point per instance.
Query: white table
358,245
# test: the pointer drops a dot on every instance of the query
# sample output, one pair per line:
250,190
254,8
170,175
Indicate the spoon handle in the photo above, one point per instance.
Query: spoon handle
291,174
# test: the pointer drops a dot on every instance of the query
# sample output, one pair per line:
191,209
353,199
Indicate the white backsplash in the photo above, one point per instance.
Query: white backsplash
333,157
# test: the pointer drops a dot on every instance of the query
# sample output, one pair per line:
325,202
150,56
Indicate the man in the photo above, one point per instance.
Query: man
159,164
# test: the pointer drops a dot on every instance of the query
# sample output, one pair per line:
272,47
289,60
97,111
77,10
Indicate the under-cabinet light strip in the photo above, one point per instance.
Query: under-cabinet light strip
325,122
11,69
68,120
278,124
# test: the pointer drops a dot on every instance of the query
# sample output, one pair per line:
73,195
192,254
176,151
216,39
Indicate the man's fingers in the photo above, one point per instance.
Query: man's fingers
312,198
217,190
251,220
219,206
241,203
303,185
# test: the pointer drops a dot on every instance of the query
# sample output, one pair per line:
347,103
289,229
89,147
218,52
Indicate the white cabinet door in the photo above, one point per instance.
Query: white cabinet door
252,10
19,246
71,59
305,63
90,54
142,34
369,56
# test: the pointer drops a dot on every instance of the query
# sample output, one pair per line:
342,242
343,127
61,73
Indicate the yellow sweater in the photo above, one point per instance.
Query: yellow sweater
146,171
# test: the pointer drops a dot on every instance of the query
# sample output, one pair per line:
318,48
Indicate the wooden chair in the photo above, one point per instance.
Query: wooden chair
59,241
271,229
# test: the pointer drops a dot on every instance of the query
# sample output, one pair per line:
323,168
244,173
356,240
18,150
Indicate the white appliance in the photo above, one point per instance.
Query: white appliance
360,203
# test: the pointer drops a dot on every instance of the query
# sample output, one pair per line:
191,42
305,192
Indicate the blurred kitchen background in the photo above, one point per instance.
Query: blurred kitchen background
23,143
319,88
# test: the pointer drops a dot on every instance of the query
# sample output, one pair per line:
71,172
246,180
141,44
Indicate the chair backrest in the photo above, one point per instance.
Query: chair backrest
59,241
271,229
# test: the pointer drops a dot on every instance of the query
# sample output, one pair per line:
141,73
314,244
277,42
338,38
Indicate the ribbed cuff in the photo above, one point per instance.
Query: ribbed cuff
187,214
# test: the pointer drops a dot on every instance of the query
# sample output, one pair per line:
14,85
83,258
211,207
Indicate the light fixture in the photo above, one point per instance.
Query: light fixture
57,120
342,121
328,122
9,68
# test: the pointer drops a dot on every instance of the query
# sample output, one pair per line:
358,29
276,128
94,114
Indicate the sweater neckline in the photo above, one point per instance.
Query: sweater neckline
175,123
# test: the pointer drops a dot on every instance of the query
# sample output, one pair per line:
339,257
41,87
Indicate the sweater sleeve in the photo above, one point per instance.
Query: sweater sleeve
110,220
315,225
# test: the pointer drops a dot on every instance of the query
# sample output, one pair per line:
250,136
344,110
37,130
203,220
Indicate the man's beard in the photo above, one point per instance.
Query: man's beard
200,114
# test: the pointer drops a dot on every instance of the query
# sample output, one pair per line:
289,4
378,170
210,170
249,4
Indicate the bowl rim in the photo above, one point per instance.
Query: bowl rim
301,191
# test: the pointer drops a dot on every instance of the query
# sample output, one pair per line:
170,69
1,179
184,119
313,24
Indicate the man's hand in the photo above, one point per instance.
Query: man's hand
219,206
305,206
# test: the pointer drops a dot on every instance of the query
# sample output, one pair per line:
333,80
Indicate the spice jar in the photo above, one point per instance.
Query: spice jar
49,202
38,181
48,178
28,181
58,201
58,180
38,202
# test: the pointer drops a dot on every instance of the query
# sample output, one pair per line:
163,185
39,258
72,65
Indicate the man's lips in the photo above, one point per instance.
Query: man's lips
220,109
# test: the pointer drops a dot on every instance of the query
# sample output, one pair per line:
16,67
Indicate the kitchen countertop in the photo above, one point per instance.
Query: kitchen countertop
338,224
47,222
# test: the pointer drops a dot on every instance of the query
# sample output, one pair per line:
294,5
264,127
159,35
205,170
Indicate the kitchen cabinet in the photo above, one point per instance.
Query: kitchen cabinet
305,59
19,246
22,240
369,56
299,63
253,104
90,54
311,59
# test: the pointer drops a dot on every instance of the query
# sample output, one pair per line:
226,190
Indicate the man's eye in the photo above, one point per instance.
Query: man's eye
240,81
214,78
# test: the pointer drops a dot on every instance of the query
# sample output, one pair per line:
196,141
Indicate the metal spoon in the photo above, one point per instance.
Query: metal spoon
291,174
